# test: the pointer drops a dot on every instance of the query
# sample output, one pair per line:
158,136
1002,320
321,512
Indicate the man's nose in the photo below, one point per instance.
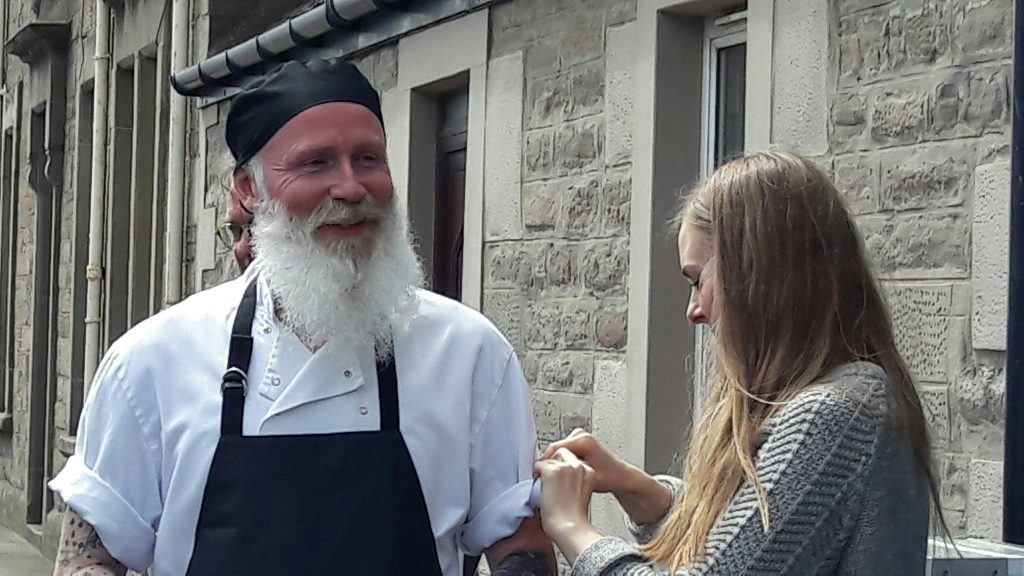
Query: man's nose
346,186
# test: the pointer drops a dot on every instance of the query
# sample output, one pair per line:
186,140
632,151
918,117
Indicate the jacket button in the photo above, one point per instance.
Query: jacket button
275,381
348,373
363,410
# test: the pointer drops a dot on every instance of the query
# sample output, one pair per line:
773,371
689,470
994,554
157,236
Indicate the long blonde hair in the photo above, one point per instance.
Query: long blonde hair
794,298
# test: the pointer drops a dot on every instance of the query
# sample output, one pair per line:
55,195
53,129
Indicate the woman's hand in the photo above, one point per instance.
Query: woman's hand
566,486
643,498
611,474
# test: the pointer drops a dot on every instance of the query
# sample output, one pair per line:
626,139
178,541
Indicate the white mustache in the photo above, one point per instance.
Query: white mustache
334,212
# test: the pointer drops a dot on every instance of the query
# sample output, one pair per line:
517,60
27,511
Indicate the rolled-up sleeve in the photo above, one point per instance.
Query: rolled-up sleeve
501,459
112,480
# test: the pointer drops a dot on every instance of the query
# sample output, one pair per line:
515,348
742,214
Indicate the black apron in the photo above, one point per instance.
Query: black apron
344,503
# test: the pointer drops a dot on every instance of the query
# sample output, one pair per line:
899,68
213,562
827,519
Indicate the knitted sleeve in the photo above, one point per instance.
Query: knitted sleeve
813,466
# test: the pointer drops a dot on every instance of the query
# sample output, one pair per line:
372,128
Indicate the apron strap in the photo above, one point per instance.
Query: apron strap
235,380
387,392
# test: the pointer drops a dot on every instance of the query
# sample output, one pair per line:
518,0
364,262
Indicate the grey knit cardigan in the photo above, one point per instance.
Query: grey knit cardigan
844,492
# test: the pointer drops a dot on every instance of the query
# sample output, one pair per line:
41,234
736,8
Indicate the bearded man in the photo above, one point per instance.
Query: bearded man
321,414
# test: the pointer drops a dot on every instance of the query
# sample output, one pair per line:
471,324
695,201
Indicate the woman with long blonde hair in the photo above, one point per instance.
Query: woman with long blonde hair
813,455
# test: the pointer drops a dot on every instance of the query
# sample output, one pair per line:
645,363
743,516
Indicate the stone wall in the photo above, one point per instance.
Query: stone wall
556,285
920,135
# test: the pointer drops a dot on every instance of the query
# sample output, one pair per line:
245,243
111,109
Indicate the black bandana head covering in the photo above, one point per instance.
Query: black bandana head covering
267,104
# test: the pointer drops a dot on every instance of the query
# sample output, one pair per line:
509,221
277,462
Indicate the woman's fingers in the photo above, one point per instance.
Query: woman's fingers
579,441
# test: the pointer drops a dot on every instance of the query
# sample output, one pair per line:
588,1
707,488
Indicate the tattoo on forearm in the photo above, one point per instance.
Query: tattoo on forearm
81,552
527,564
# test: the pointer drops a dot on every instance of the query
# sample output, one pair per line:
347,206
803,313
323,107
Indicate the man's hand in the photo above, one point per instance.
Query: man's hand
528,552
81,553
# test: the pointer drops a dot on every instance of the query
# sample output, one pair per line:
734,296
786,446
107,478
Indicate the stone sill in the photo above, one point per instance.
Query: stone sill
66,445
972,548
6,422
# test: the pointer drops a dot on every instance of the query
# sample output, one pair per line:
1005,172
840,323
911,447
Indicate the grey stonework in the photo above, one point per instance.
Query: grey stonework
921,103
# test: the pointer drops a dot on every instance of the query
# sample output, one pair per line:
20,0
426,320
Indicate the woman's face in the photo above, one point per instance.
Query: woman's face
698,270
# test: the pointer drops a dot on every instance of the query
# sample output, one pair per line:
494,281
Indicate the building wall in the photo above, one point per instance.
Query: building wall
919,134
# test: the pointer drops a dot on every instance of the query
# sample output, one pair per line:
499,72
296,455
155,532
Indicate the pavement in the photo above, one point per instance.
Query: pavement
19,558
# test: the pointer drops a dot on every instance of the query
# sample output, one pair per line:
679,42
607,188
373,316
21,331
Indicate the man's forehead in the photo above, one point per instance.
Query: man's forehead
326,127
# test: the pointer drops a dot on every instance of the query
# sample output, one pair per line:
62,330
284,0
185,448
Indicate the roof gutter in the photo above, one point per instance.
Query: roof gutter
272,44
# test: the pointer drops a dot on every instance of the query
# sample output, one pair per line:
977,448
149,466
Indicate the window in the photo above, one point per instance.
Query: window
8,265
450,192
119,205
80,253
140,250
43,387
725,72
437,183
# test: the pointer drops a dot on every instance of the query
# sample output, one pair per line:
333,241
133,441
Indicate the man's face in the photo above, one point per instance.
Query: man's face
331,152
239,221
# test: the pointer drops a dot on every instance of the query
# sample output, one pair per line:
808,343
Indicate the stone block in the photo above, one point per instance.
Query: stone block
980,395
605,266
557,414
619,12
862,44
586,90
508,265
899,116
542,325
919,246
541,60
561,371
580,216
505,309
610,427
971,103
935,402
985,500
983,31
990,256
578,146
580,34
954,481
616,192
542,204
987,108
539,154
562,268
920,320
849,122
857,178
561,325
548,100
921,40
619,64
801,85
503,133
612,326
576,329
927,177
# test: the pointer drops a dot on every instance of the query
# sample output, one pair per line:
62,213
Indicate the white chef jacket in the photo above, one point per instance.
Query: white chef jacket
151,421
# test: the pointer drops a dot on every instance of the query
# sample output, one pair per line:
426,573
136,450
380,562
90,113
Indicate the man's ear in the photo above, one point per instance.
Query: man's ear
244,190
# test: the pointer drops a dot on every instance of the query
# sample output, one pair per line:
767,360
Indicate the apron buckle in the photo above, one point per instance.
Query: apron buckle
235,378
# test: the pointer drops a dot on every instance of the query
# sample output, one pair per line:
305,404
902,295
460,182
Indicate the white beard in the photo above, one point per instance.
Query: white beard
343,289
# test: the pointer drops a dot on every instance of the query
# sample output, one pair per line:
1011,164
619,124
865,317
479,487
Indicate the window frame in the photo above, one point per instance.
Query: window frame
719,33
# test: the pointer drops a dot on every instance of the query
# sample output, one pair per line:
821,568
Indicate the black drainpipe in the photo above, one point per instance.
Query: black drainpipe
1013,457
